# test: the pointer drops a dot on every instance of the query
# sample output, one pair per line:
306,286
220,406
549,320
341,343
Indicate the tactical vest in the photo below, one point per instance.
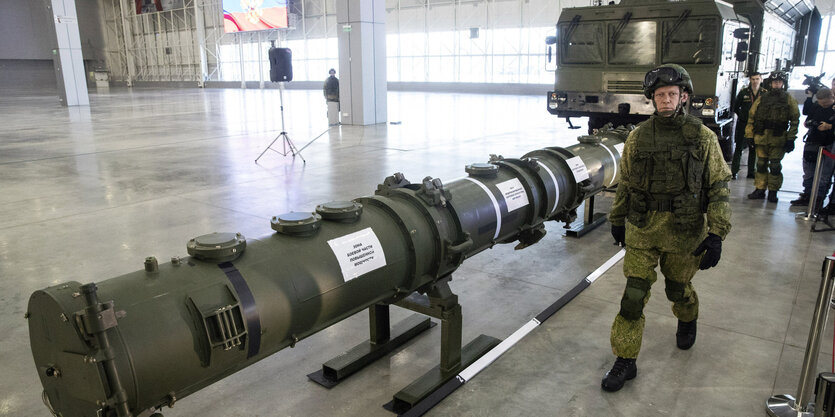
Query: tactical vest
772,113
666,171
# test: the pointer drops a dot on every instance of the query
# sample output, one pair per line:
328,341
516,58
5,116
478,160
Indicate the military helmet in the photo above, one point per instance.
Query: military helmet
780,75
665,75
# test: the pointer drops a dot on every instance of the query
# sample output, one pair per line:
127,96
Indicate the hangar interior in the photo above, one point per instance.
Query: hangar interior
90,191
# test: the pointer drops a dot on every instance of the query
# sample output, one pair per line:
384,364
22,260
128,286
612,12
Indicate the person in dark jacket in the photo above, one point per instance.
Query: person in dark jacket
742,106
331,86
331,91
819,121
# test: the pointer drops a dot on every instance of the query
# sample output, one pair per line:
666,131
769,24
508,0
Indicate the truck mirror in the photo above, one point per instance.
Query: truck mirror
549,53
741,51
550,40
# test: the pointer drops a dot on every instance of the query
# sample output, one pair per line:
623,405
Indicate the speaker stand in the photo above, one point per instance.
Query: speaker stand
289,148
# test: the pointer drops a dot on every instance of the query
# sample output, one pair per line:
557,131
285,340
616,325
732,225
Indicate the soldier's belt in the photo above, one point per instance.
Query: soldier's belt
660,205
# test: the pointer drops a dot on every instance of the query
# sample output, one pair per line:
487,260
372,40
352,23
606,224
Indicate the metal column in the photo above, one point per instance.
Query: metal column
69,62
361,31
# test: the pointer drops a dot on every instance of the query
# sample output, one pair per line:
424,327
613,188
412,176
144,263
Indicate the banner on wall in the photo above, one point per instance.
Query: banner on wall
248,15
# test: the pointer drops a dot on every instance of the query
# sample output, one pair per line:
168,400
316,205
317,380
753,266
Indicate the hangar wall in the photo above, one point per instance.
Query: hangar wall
27,40
491,45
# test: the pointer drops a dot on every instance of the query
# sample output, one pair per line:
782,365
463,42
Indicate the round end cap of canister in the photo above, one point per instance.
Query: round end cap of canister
482,170
343,211
296,224
217,247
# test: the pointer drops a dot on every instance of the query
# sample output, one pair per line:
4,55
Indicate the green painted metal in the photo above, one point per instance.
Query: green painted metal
166,331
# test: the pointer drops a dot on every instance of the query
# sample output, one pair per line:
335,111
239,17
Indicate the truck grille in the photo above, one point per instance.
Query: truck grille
624,87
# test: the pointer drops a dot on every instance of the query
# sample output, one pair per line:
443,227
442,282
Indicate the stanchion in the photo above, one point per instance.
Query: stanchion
813,197
785,405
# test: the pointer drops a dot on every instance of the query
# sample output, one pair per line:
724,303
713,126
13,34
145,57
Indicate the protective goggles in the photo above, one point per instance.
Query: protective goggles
667,75
779,75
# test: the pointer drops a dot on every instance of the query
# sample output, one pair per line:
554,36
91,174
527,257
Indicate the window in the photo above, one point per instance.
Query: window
690,41
633,43
581,43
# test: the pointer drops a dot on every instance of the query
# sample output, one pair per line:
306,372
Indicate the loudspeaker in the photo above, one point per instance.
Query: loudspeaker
281,65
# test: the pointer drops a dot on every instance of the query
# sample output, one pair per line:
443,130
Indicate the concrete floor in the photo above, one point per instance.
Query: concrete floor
88,193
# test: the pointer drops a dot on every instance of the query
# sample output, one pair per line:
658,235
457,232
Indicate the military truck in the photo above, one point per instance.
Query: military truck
602,53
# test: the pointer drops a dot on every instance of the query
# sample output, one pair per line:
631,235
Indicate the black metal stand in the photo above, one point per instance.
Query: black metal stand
439,303
382,341
825,220
288,146
588,223
442,304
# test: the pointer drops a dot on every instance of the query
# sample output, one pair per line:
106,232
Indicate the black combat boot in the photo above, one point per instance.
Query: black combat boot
772,196
686,334
757,195
623,370
803,200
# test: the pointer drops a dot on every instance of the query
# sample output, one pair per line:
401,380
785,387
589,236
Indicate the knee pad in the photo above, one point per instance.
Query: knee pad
775,167
762,166
674,290
632,303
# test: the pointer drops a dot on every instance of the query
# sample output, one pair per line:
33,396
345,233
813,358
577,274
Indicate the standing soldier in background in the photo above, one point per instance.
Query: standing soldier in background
671,207
744,100
772,124
331,91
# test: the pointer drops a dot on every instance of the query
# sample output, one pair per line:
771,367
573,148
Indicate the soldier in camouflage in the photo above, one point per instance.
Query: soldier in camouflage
772,123
671,208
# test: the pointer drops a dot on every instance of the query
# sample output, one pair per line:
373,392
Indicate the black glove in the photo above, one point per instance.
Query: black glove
712,249
788,146
619,233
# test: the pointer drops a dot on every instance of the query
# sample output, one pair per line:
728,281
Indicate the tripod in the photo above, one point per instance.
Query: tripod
288,146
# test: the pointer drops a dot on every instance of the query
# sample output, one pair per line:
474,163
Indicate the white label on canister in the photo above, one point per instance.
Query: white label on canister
514,194
358,253
581,173
619,148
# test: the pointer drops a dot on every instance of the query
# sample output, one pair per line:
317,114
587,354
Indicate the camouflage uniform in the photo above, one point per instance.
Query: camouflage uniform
772,121
665,209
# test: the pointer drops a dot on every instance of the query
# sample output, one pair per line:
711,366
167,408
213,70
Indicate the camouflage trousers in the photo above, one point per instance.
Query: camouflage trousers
639,268
769,167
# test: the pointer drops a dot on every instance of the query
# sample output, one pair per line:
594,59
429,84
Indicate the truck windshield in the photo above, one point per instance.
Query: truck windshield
581,43
634,44
692,41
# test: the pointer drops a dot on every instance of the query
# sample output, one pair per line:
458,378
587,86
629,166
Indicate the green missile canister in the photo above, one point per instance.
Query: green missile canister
129,345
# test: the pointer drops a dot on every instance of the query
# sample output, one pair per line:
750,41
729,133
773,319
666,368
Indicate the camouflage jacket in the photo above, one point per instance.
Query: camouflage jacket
775,106
660,228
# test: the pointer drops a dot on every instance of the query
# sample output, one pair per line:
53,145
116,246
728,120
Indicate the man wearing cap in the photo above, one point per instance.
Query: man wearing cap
671,208
742,106
772,124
